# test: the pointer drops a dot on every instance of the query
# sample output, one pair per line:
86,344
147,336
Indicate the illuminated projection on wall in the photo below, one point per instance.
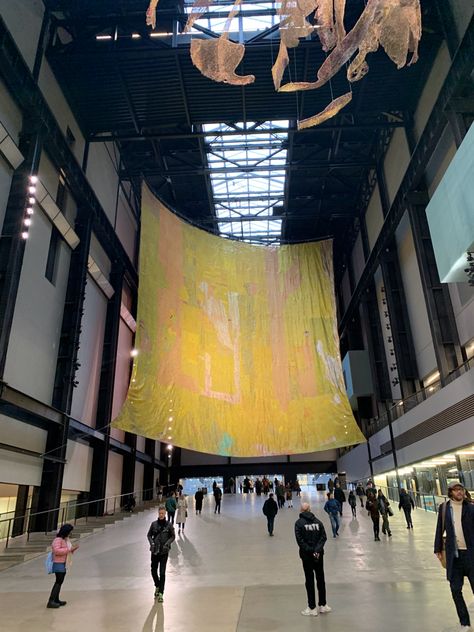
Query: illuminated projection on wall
237,344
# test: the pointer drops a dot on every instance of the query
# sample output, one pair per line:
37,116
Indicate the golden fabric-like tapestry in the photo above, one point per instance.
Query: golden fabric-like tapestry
331,110
238,352
218,59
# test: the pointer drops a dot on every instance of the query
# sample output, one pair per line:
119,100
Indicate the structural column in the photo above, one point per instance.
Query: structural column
441,317
149,470
106,392
12,244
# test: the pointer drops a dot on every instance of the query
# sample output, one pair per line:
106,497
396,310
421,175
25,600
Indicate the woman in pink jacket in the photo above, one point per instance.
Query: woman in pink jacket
61,548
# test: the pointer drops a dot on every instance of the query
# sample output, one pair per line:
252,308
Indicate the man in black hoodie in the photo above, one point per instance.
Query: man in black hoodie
311,538
270,510
160,536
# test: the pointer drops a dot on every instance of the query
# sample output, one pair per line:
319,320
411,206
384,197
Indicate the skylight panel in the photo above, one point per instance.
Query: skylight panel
247,175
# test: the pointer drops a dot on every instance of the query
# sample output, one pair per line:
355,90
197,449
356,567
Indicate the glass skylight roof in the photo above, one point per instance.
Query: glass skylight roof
249,23
247,173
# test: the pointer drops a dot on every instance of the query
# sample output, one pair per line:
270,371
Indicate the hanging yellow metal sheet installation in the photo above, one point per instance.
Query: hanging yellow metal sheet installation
237,344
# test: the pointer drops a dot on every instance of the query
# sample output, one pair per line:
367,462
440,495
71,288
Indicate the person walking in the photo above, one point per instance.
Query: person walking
182,511
280,493
62,548
384,507
232,485
217,499
171,506
297,488
333,509
456,520
160,537
270,510
360,494
372,507
289,495
198,498
331,486
352,500
406,503
311,538
339,496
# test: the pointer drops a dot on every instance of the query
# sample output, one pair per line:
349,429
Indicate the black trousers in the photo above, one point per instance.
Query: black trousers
407,512
171,516
54,596
354,510
218,506
311,567
270,523
161,561
461,568
376,523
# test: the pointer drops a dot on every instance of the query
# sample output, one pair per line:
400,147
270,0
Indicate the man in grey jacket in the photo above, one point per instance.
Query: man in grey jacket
160,537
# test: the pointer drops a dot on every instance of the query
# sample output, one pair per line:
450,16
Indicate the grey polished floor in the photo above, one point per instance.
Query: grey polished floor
227,575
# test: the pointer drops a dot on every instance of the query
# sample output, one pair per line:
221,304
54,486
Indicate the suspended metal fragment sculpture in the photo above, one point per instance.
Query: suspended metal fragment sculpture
393,24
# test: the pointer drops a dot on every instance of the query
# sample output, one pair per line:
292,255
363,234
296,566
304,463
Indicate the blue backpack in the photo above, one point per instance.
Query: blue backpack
48,563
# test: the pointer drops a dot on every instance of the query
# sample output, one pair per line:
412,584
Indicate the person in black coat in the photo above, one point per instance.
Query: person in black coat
456,520
406,503
198,497
160,537
339,496
311,538
270,510
217,499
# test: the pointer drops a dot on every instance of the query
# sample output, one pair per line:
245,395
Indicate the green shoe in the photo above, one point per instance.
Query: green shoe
160,597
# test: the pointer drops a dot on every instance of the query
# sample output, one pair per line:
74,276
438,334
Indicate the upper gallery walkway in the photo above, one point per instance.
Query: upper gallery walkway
226,575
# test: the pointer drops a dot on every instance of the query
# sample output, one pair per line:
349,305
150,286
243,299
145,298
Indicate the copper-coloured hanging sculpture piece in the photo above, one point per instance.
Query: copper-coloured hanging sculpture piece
393,24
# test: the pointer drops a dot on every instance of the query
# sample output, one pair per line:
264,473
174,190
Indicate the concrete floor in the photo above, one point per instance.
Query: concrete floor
227,575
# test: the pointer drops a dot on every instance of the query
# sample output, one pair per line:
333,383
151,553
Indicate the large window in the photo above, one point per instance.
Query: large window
247,164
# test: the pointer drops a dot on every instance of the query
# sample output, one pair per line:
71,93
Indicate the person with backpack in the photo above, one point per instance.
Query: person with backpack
160,537
384,509
171,505
372,507
333,509
270,510
62,548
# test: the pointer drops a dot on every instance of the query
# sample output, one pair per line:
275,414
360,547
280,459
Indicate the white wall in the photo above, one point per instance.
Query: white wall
138,485
103,177
126,226
463,11
415,300
23,19
462,299
358,261
432,87
141,444
355,463
114,475
374,217
60,108
33,346
77,471
20,469
396,162
85,396
22,435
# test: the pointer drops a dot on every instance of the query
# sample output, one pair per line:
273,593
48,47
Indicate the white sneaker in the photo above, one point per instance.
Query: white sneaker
325,608
308,612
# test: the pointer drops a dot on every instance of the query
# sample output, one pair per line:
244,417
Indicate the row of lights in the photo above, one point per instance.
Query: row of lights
31,190
135,36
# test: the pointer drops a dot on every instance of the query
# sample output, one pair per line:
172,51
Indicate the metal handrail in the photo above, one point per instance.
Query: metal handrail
400,408
64,511
422,500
